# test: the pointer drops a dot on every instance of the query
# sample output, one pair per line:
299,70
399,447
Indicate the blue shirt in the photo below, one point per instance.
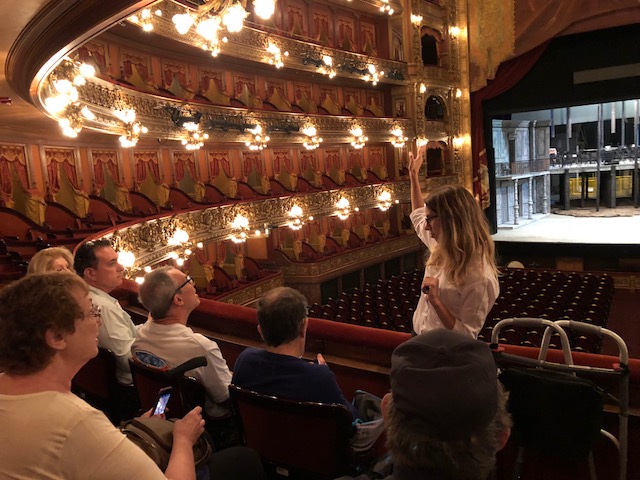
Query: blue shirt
288,377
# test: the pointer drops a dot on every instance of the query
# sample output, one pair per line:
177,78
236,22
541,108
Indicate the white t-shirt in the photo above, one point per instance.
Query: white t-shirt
469,303
116,333
175,344
53,435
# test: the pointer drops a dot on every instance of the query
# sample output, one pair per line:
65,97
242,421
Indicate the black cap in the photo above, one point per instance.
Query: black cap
447,382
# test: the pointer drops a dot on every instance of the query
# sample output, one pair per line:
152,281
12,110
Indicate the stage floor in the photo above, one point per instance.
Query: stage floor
554,228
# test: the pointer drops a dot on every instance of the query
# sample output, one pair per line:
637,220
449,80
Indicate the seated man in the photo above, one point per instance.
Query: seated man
280,370
446,414
170,297
97,263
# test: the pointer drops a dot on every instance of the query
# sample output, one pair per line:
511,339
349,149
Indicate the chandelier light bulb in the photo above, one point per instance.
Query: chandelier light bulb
264,8
86,70
234,17
182,22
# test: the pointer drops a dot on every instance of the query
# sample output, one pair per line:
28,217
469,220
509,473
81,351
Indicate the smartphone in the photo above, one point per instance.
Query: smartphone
163,399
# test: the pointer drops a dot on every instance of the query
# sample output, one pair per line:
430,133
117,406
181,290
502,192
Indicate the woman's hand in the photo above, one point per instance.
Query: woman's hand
415,162
189,427
431,288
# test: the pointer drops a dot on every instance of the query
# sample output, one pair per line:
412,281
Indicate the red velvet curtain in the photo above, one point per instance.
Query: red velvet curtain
508,75
98,173
72,175
216,162
308,160
6,176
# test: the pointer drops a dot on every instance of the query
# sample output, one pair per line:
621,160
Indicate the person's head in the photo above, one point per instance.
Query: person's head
165,289
97,263
52,259
282,315
447,410
42,315
458,224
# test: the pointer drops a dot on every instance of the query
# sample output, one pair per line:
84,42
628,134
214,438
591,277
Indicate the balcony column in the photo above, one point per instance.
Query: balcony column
530,203
546,180
516,205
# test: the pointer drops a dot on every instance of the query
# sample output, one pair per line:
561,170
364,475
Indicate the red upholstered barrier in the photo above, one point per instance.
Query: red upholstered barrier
362,354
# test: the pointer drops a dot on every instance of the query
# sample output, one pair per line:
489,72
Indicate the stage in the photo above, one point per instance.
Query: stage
555,228
566,242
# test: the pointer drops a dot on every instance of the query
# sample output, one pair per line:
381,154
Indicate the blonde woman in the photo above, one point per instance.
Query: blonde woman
460,282
52,259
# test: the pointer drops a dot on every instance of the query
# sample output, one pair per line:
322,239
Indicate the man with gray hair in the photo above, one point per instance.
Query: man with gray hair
446,415
280,370
170,297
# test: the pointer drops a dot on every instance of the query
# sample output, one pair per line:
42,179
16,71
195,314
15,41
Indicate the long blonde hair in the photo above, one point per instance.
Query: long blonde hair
465,242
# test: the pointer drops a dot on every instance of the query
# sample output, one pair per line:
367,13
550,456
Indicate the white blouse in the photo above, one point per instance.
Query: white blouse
469,303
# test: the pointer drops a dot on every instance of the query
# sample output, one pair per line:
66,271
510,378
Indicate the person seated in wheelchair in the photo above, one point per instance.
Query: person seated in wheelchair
170,296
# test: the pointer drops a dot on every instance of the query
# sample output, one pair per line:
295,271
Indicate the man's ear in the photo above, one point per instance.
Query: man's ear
504,438
55,340
384,405
303,330
89,274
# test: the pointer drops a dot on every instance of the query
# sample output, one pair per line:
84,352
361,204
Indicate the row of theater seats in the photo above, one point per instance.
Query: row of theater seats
390,304
553,296
387,304
334,245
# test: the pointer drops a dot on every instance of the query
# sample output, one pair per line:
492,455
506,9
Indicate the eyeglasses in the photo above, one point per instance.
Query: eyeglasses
429,218
95,311
187,280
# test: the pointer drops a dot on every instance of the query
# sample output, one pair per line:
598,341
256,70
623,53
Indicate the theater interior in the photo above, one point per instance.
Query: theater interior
260,144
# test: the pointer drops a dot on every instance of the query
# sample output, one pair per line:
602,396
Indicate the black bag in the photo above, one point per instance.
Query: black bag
154,436
556,414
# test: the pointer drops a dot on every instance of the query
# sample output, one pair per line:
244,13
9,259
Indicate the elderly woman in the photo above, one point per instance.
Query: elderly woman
48,331
52,259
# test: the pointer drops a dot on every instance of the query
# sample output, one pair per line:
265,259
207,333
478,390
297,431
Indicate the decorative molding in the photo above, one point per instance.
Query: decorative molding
148,241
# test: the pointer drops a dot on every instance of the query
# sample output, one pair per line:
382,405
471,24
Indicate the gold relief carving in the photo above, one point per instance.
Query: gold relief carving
14,153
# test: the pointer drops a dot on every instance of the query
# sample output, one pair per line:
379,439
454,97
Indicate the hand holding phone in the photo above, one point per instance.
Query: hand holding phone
163,399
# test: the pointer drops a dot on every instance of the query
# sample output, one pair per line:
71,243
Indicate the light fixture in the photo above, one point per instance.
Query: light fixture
183,22
343,209
423,88
240,226
454,31
416,19
126,259
421,140
63,99
233,18
264,8
326,68
458,142
132,128
144,18
384,200
385,7
399,138
275,55
259,140
458,93
372,75
359,139
208,29
194,137
295,214
312,141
